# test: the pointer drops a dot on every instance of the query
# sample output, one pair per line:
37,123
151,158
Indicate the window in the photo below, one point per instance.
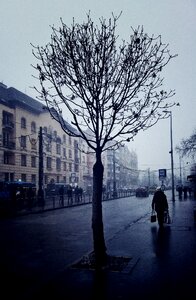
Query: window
23,141
49,147
75,144
58,148
8,158
58,164
33,161
8,119
70,167
23,177
6,138
70,153
33,127
33,178
23,123
9,176
64,166
69,140
58,140
49,163
23,160
76,168
64,138
64,152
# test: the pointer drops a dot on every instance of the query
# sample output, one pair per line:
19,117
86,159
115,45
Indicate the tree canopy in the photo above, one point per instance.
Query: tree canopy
112,89
187,147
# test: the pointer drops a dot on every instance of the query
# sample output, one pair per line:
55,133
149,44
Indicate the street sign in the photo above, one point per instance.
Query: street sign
162,174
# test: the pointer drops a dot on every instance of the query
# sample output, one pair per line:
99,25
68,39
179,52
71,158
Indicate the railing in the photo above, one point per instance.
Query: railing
35,205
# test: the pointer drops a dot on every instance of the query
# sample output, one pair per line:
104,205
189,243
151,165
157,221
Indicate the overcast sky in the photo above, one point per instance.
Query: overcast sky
28,21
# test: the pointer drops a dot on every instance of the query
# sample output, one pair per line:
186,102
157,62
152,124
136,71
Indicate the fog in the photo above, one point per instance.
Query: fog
25,22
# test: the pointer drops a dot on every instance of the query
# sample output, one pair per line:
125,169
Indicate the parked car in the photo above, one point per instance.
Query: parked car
142,192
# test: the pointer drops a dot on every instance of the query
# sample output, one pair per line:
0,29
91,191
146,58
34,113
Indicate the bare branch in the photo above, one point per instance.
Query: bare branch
111,90
187,147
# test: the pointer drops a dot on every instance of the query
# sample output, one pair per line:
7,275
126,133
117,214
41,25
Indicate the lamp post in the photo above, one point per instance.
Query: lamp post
180,158
114,175
41,174
171,152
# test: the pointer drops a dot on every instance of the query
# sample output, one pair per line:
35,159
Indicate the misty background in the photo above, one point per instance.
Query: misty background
23,22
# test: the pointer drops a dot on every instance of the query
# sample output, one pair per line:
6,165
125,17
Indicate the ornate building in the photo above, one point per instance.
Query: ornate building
26,124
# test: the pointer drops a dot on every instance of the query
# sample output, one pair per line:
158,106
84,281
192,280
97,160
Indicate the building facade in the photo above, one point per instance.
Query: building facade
26,124
23,120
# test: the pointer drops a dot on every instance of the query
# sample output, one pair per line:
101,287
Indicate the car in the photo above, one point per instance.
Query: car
141,192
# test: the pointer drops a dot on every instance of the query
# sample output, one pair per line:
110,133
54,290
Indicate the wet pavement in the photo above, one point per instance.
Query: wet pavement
37,252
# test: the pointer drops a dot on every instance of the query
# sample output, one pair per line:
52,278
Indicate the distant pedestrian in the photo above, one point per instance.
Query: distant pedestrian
179,189
69,195
190,191
185,190
61,195
77,194
160,205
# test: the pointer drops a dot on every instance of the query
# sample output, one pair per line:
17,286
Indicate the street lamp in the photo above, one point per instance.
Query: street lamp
171,152
114,175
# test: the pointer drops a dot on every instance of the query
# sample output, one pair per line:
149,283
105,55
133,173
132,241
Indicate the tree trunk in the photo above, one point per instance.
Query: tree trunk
97,218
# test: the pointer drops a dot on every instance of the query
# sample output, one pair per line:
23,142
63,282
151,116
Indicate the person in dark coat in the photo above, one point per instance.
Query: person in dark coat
160,205
61,194
69,194
180,191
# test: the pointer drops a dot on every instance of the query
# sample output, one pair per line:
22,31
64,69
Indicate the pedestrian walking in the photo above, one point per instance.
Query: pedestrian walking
69,195
185,190
160,205
179,189
61,195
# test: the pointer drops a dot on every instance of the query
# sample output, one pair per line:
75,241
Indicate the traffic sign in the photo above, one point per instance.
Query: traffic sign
162,173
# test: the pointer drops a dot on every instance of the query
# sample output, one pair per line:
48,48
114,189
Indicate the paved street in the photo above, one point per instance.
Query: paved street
38,249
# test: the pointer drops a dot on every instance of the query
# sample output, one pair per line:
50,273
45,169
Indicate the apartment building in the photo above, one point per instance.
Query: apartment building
121,168
25,124
22,119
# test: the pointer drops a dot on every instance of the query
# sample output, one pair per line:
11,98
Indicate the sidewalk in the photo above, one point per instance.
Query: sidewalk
162,266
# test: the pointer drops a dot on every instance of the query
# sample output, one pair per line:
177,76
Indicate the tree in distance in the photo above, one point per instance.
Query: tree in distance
111,90
187,147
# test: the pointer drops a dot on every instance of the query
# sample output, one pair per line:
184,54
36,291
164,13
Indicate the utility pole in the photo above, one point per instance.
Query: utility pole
41,169
180,158
172,158
114,175
149,177
171,152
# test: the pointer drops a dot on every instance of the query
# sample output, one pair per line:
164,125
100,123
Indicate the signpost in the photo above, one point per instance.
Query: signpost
162,176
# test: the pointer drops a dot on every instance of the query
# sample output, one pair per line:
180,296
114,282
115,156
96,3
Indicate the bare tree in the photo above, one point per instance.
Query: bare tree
187,147
111,90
